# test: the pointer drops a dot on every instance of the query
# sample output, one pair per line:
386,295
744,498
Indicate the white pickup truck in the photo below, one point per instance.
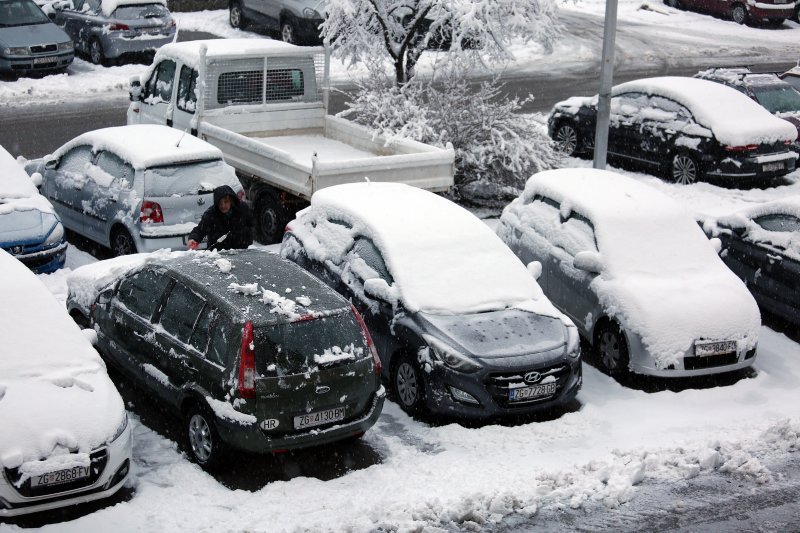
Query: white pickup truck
264,104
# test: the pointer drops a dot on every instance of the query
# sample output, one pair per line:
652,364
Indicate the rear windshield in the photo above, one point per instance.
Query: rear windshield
146,11
190,178
305,346
20,13
778,99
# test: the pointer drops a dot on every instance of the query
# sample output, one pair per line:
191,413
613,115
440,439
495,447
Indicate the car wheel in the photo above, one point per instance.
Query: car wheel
684,169
204,444
612,349
122,243
80,319
775,23
270,219
96,54
739,13
408,384
566,139
236,16
289,31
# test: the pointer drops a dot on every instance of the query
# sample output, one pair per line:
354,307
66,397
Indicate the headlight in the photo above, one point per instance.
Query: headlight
120,428
311,13
16,51
66,47
56,235
573,342
450,357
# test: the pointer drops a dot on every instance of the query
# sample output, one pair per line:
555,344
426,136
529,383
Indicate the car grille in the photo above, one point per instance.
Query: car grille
709,361
44,48
498,384
98,458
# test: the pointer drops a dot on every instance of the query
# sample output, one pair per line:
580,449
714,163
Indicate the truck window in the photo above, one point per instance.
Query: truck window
241,87
283,84
187,97
159,86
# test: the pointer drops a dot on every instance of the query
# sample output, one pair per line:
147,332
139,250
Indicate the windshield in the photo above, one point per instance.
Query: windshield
146,11
778,98
20,13
188,178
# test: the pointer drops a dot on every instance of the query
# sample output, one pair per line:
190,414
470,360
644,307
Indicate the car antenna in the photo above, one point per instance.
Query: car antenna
178,145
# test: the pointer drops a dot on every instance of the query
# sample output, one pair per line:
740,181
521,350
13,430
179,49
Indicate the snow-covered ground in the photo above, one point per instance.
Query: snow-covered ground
427,476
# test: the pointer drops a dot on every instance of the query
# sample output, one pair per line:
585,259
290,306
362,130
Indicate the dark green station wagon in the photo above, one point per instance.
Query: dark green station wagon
251,351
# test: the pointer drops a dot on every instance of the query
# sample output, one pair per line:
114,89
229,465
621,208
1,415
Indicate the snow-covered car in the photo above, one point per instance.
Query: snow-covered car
65,438
459,323
761,244
634,271
297,21
775,95
110,29
252,352
30,230
683,128
772,12
29,41
134,188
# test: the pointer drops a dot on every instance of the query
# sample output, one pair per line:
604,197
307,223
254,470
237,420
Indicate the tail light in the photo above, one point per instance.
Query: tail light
118,27
747,148
370,344
151,212
247,364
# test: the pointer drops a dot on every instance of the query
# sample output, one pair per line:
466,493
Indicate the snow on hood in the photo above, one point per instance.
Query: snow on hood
443,259
735,119
109,6
17,191
661,277
55,394
146,145
789,241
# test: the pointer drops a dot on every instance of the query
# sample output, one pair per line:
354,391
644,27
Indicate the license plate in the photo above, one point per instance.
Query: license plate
40,60
61,476
317,419
769,167
528,393
714,348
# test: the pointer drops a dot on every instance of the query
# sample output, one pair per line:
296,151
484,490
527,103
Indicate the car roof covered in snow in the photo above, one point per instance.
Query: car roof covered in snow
17,191
735,119
146,145
740,76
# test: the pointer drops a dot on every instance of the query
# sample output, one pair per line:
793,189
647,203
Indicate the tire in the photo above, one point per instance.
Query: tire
96,54
566,139
270,219
611,349
203,442
408,384
684,168
289,31
80,319
739,14
236,16
122,243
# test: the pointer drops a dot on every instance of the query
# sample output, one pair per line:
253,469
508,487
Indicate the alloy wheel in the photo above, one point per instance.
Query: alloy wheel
200,438
406,384
684,169
288,33
96,52
610,350
236,16
567,139
739,14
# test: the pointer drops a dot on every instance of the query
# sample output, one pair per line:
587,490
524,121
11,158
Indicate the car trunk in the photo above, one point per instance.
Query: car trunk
183,192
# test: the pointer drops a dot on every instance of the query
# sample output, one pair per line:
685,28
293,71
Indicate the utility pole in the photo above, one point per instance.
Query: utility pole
606,80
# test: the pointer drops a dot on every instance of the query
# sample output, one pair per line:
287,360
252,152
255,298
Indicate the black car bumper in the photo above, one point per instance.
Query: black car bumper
752,166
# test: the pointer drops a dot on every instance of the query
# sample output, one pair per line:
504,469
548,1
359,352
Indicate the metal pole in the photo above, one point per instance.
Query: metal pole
606,80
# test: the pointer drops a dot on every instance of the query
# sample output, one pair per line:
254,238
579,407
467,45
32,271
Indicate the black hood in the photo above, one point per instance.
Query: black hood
221,192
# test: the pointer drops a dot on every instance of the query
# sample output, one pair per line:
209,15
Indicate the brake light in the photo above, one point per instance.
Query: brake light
151,212
370,344
118,27
748,148
247,364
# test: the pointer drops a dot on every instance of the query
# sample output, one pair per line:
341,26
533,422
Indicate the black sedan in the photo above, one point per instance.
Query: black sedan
762,246
685,128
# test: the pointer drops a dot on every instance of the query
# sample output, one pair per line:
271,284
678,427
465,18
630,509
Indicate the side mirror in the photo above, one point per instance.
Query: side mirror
36,178
535,268
588,261
135,89
51,164
716,243
104,297
90,335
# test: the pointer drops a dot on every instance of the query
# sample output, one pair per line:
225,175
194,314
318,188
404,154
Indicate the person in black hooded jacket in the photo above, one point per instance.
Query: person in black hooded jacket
227,224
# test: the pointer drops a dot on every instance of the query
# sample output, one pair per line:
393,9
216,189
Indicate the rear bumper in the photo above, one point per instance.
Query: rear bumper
116,44
254,440
751,167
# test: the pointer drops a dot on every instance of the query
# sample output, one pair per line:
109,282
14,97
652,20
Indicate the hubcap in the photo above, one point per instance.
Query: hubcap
269,223
567,139
235,17
406,383
610,351
97,55
200,438
287,33
738,14
684,170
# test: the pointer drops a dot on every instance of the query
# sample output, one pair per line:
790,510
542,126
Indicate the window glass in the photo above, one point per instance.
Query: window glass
185,179
628,106
76,159
778,222
91,6
199,338
366,250
141,292
120,172
577,235
283,84
222,338
187,95
144,11
666,110
159,87
181,312
21,13
242,87
778,98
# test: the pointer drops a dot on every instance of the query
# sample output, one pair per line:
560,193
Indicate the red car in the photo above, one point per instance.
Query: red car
772,12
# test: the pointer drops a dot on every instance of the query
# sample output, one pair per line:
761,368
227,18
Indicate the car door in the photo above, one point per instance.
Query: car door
778,279
625,134
664,122
184,115
110,178
156,106
63,183
742,256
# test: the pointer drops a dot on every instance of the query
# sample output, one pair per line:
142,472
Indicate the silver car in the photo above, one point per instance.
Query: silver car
297,21
109,29
29,42
134,188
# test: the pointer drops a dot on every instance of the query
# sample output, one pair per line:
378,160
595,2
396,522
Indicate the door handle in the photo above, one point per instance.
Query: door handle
774,258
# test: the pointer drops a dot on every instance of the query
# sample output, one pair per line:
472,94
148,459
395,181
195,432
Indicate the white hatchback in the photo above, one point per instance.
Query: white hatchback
65,436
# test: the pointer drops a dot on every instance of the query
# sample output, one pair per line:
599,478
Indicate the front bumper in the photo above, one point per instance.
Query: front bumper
762,11
43,63
255,440
689,365
39,259
113,476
